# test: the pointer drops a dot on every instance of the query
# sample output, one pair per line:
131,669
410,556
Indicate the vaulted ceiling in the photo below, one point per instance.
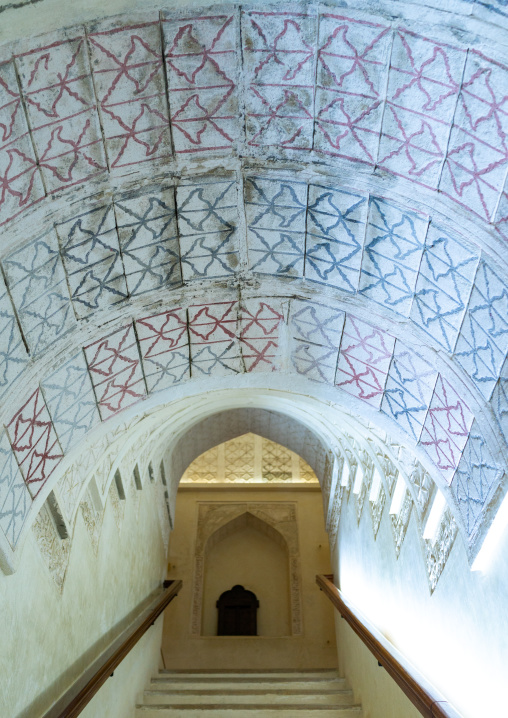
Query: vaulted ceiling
312,197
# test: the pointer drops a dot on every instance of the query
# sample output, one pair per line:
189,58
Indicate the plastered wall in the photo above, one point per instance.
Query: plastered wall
457,636
314,649
259,564
51,636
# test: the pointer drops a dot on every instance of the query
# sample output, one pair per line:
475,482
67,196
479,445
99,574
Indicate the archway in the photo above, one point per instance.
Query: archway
248,550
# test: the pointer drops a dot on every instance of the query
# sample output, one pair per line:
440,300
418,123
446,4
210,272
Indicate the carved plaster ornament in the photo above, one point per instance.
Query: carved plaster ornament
399,522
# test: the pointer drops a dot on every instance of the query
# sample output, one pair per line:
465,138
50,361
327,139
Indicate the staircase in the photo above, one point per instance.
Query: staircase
248,694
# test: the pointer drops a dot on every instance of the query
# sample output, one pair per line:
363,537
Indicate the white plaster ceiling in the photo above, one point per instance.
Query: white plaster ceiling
278,194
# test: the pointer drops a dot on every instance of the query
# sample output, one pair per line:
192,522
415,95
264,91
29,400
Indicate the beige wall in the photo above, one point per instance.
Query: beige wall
314,649
259,564
377,692
51,637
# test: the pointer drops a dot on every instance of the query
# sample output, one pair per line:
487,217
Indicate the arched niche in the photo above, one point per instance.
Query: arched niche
275,521
248,551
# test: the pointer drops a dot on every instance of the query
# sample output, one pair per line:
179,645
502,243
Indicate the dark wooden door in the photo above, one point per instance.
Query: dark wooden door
237,613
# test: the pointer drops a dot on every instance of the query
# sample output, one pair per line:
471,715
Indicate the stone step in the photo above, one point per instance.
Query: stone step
274,697
255,710
251,683
316,673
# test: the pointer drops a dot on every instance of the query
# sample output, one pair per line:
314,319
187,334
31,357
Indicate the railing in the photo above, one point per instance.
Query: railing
83,690
420,692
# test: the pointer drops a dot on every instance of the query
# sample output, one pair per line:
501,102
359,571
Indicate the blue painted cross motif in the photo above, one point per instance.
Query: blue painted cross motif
408,389
92,260
207,221
316,331
71,402
13,356
475,481
335,231
39,291
276,225
393,248
149,241
15,499
443,287
483,340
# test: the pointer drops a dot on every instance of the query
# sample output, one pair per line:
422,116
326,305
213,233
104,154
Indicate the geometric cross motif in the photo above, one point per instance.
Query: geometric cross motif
275,212
34,442
213,332
149,241
364,359
71,402
408,391
164,345
393,248
68,490
476,479
423,86
279,66
92,259
202,79
335,231
13,355
499,401
20,180
60,102
316,332
482,345
260,324
446,428
115,369
443,287
129,82
352,61
477,157
15,499
39,291
276,462
207,221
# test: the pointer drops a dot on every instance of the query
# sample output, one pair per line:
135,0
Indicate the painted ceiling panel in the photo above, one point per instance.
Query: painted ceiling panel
199,195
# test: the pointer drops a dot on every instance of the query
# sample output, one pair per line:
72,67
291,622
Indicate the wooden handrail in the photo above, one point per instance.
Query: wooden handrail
83,690
420,692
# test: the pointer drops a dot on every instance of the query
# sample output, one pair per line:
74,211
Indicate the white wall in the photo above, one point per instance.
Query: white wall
457,637
51,637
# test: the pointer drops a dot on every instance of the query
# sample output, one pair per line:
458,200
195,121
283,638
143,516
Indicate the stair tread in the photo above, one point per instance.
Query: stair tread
252,692
245,707
235,694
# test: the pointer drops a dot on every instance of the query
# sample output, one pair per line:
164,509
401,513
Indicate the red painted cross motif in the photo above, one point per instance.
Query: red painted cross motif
129,81
202,79
422,95
162,333
477,159
352,60
259,335
446,428
20,182
279,57
364,359
34,442
115,370
213,323
60,101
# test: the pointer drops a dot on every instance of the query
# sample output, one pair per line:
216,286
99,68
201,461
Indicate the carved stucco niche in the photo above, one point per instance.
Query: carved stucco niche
275,519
